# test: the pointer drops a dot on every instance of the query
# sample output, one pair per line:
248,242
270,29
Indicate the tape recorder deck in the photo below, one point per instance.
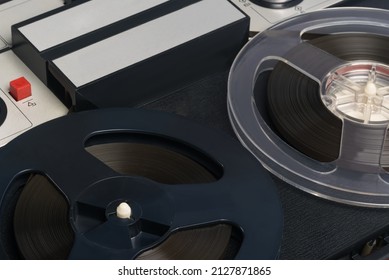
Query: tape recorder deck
301,84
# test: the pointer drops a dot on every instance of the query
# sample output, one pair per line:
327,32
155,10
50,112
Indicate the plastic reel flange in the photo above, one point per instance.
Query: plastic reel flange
244,196
356,176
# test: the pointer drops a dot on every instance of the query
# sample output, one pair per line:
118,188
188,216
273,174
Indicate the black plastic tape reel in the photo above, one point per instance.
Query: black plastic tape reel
309,97
184,192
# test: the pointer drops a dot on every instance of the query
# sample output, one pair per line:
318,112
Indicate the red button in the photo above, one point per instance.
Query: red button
20,88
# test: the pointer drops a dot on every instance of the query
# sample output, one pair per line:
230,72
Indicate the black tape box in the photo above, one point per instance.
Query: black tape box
100,53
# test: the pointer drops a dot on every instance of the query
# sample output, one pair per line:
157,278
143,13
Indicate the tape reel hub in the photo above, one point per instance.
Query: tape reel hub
150,219
359,92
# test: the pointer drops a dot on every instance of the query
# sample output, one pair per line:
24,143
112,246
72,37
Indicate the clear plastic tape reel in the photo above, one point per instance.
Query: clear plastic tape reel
356,177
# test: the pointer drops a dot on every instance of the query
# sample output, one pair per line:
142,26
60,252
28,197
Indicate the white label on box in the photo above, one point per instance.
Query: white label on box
82,19
144,41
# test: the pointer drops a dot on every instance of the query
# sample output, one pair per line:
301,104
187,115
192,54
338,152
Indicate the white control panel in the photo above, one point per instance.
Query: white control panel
15,11
263,18
34,107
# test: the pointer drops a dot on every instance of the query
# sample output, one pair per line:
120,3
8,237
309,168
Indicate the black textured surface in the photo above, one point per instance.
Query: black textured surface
318,229
205,102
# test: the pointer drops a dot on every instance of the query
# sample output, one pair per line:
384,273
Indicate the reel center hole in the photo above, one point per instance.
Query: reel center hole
359,92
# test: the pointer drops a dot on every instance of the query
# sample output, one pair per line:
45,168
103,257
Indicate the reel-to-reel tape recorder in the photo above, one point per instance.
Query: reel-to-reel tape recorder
306,96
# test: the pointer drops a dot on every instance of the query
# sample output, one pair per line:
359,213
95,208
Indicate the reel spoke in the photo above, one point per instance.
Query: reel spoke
301,58
78,173
200,204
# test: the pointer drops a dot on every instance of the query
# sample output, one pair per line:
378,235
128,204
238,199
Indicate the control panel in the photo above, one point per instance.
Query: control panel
265,13
25,101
